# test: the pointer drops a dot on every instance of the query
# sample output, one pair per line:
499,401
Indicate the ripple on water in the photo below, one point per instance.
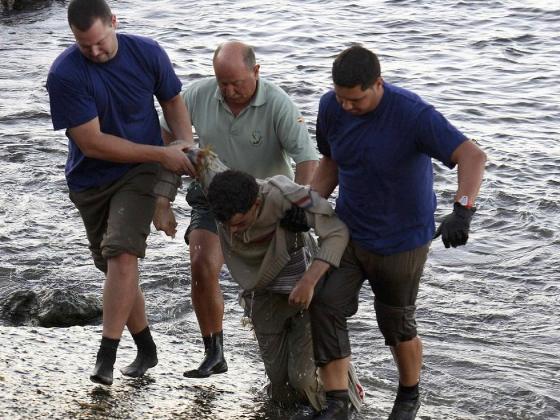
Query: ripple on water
487,311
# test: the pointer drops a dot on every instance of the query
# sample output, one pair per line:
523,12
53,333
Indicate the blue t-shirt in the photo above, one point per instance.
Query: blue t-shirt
385,172
120,92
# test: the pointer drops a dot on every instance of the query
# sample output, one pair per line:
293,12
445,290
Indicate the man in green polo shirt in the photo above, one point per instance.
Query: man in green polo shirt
254,127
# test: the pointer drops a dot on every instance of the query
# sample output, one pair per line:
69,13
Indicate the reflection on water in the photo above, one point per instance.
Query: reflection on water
488,312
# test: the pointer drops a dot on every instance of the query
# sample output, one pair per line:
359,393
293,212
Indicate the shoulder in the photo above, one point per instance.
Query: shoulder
279,184
272,190
200,89
67,60
406,98
328,103
142,50
274,94
138,40
328,100
68,69
297,194
202,85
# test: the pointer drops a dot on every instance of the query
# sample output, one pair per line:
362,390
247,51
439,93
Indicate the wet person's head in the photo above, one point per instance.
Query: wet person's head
93,25
358,85
233,198
237,72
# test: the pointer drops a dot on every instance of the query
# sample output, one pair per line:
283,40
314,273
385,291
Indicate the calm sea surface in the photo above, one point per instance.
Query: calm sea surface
488,312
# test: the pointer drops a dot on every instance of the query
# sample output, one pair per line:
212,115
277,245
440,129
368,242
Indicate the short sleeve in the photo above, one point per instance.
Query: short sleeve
321,131
163,122
437,137
292,132
168,84
70,103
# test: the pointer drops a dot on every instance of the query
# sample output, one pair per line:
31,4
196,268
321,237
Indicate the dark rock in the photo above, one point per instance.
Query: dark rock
51,308
9,5
20,306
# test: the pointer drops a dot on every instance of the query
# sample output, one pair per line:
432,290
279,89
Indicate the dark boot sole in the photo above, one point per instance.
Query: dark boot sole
101,380
196,373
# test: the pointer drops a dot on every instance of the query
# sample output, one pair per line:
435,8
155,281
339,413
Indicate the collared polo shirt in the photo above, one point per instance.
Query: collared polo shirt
262,140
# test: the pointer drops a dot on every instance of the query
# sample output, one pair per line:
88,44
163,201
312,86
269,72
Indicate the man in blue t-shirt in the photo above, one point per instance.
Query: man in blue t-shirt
101,91
377,142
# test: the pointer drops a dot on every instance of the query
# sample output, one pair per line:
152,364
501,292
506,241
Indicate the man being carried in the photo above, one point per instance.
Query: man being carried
274,267
255,127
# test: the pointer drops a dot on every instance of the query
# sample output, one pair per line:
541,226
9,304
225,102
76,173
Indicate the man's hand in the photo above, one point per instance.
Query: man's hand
164,218
302,293
294,220
454,228
176,160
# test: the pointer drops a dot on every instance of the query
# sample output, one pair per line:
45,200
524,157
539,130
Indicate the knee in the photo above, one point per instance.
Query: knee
305,382
396,323
99,261
203,270
330,300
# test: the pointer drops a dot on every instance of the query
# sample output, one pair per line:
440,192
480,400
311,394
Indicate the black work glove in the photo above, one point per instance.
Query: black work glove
294,220
454,228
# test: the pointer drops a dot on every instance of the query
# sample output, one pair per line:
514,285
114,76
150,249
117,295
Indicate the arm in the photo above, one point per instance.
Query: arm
305,171
470,160
292,133
164,218
454,228
302,293
177,116
325,179
333,238
95,144
166,136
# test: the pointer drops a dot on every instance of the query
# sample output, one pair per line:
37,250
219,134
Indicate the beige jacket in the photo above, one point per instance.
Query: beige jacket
256,256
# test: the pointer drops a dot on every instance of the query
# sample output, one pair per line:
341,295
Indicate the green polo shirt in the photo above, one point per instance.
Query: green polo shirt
260,140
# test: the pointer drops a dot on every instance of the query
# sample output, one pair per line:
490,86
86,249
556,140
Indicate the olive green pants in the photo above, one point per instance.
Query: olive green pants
284,335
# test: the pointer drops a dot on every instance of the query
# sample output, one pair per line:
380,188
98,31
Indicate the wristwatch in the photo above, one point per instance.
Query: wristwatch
464,201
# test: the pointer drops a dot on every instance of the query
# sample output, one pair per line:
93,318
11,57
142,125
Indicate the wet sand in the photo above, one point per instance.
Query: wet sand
44,373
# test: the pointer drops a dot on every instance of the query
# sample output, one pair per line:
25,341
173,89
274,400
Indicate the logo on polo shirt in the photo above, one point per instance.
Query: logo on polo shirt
256,138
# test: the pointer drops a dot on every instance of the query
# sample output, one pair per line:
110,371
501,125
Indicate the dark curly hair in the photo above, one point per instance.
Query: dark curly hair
356,66
232,192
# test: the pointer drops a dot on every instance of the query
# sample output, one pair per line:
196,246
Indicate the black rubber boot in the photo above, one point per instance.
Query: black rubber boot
146,357
214,361
337,406
106,355
406,404
405,409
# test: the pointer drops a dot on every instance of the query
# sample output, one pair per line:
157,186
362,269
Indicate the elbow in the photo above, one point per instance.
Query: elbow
477,153
480,157
90,151
344,234
470,155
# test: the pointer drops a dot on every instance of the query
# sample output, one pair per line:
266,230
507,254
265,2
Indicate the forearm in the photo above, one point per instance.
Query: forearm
316,270
471,162
167,185
305,171
166,136
325,178
333,238
116,149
